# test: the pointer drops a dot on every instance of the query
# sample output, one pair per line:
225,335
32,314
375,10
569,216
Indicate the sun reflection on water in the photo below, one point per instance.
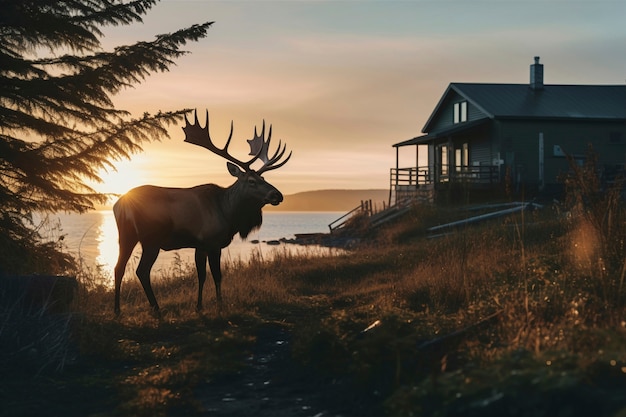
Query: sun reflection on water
106,241
92,238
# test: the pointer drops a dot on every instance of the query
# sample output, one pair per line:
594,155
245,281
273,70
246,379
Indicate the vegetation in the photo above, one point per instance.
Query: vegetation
522,316
517,317
58,126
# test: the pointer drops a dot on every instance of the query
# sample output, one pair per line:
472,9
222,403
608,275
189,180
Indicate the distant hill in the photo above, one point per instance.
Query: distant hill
329,200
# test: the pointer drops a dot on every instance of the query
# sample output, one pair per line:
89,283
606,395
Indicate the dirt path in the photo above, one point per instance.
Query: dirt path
273,384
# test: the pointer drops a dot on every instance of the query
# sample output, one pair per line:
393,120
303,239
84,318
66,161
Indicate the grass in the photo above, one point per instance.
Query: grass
524,316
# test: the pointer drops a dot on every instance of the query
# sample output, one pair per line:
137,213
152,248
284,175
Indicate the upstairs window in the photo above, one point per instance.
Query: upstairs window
460,112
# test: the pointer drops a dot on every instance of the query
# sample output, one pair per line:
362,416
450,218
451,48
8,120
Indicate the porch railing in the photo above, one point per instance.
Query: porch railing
420,183
366,208
417,176
411,176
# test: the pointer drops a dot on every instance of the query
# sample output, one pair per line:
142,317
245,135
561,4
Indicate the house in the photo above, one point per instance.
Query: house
487,135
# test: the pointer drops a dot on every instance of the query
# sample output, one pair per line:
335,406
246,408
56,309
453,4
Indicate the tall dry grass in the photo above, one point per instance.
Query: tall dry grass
554,277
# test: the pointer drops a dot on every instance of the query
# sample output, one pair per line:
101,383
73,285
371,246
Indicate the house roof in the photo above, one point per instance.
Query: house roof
461,127
591,102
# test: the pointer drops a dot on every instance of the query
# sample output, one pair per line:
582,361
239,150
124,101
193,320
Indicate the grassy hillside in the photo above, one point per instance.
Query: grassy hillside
519,316
329,200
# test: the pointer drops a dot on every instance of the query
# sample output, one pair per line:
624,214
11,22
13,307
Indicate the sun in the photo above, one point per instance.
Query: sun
127,174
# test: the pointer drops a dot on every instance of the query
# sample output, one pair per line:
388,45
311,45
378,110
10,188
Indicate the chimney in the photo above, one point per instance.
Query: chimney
536,75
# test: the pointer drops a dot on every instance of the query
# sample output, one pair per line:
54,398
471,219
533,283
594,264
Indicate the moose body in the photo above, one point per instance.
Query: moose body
205,217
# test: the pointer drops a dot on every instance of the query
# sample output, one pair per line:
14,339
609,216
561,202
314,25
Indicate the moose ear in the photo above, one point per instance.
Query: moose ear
234,170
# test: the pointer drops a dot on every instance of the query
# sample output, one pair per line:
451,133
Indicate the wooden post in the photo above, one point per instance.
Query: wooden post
417,165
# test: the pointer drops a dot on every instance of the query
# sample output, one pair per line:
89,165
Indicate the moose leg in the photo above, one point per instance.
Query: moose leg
148,256
201,257
215,256
126,249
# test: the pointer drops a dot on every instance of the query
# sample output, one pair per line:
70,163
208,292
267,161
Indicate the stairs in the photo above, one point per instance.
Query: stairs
366,213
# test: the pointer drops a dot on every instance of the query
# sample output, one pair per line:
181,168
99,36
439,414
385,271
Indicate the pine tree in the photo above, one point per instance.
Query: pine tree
58,124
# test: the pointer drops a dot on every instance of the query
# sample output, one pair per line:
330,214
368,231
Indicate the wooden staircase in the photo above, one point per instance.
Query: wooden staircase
367,213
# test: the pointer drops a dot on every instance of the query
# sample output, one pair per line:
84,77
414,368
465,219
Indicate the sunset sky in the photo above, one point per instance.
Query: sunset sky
342,81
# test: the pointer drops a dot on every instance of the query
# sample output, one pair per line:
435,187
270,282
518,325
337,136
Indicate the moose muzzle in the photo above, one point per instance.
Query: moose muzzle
274,197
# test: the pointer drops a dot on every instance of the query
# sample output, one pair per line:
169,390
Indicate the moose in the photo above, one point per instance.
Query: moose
204,217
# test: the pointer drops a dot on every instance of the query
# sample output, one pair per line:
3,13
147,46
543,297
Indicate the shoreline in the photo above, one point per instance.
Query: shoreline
326,240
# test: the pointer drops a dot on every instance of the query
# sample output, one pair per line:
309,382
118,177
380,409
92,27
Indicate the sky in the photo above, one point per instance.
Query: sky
342,81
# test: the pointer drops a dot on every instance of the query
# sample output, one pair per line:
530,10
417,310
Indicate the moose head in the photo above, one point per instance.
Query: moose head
248,178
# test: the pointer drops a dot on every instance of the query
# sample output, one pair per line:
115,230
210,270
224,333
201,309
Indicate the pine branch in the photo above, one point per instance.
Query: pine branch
59,168
58,124
84,97
111,13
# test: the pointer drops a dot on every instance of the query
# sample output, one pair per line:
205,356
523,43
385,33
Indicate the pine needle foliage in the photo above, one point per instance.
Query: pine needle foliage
58,125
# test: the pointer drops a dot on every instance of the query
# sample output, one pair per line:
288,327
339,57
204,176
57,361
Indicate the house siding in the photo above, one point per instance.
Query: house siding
481,152
445,118
519,143
474,113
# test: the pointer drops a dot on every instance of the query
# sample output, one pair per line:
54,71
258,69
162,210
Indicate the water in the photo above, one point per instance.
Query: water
92,238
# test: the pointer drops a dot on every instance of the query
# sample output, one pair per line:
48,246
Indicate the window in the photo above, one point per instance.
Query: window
460,112
461,157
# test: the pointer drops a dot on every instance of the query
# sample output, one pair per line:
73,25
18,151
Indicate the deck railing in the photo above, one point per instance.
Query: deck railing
421,182
365,208
416,176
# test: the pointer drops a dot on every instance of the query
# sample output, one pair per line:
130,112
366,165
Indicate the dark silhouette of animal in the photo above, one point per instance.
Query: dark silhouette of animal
205,217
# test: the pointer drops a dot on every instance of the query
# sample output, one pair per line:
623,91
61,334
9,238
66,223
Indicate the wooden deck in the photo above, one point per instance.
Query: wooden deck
421,183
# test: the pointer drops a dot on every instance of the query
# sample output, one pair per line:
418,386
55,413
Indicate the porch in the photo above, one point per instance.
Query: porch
422,183
457,157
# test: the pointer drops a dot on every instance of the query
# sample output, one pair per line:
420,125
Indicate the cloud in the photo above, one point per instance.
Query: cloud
342,81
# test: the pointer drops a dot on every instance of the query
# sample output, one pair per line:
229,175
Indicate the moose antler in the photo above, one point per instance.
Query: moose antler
259,147
198,135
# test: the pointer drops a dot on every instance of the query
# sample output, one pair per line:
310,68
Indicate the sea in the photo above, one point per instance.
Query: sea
92,239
